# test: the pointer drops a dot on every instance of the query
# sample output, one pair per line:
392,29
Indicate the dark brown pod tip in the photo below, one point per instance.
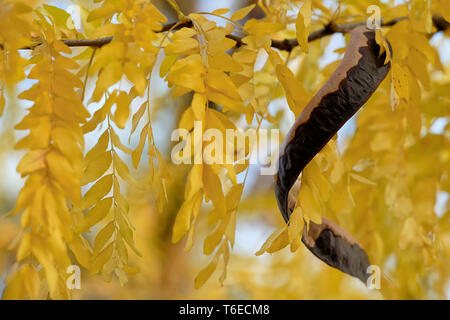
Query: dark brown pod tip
356,78
337,248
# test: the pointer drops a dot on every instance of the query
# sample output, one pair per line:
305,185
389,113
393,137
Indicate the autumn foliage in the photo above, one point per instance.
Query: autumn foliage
87,110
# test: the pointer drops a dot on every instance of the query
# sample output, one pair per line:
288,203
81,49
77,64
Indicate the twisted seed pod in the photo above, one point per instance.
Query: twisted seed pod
353,82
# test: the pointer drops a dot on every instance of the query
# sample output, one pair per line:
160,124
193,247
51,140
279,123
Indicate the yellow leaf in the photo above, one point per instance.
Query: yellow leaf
81,250
213,189
281,241
242,13
107,77
100,189
103,236
184,33
123,109
183,218
224,62
166,64
136,76
295,224
400,81
98,149
219,81
199,105
62,171
101,259
182,46
362,179
296,96
313,175
195,181
137,153
24,248
221,11
310,205
96,168
188,72
32,161
122,169
303,25
268,243
213,239
206,273
97,213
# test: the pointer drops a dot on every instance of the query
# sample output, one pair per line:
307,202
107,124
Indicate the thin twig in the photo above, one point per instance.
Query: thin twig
287,44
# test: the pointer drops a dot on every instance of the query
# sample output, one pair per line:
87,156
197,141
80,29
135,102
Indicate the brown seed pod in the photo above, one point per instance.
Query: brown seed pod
353,82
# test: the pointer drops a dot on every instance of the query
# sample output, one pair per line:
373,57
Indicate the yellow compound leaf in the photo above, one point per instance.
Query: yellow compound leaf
242,13
303,25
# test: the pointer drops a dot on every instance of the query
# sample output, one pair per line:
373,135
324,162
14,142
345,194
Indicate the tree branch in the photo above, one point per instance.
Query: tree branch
287,44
